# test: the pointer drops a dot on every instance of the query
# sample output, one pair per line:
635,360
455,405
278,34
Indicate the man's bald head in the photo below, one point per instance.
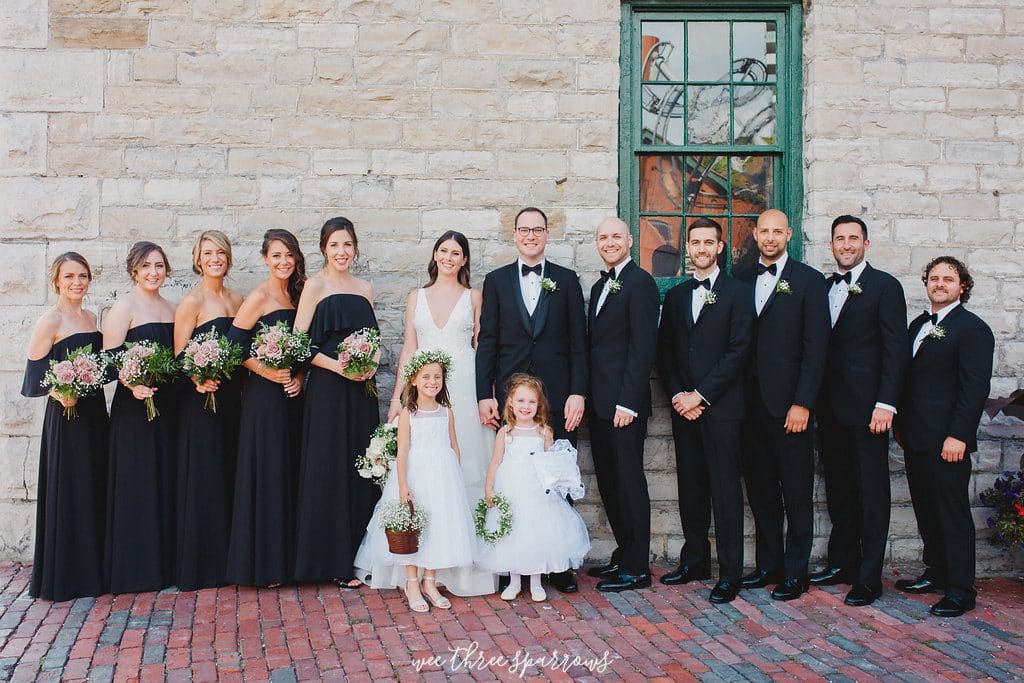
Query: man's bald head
773,217
772,234
613,241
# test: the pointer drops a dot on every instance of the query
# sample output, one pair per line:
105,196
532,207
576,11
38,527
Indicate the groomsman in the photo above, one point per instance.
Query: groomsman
787,363
623,319
867,355
533,320
944,393
704,340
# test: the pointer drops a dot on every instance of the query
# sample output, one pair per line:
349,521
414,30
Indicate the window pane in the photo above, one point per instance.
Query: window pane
708,51
752,180
661,51
742,246
660,245
754,112
707,187
708,114
662,116
661,187
753,51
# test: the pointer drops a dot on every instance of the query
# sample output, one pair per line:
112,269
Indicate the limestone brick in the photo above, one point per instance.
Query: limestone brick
148,161
23,23
378,10
246,38
965,20
160,98
418,192
924,46
121,191
360,102
341,162
376,132
51,80
952,74
945,178
438,133
918,99
37,207
979,99
533,164
461,164
982,153
226,67
129,223
530,105
286,10
459,72
599,40
971,205
278,192
323,35
200,161
78,160
243,161
220,10
23,278
965,127
469,104
503,39
98,32
212,129
22,144
401,37
539,74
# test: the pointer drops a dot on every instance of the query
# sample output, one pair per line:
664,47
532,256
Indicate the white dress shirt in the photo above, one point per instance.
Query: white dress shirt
766,283
839,292
700,295
928,327
604,291
530,285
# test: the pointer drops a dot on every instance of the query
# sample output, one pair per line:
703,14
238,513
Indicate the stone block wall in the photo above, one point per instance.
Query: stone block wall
128,119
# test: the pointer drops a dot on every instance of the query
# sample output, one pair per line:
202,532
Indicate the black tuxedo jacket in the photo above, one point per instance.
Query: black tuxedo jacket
868,350
946,383
791,340
707,355
551,344
623,337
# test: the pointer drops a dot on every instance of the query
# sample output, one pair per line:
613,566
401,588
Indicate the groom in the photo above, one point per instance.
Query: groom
532,320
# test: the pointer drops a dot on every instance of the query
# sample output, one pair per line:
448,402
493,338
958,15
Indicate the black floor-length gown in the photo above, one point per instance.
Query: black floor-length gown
334,502
139,539
68,558
207,444
262,546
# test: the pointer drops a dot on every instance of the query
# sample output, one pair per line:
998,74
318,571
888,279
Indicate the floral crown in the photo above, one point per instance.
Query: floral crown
422,358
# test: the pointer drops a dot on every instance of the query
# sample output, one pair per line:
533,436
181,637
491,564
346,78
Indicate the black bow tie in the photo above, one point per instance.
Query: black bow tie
762,268
702,283
934,317
837,278
609,274
526,270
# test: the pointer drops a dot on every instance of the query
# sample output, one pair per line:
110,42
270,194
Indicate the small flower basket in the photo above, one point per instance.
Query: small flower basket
402,524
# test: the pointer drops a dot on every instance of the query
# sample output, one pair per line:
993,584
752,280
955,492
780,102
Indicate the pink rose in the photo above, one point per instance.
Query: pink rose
88,378
261,351
363,347
143,351
274,350
64,371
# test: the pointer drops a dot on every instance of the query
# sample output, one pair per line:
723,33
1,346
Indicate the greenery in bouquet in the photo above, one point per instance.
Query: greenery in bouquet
80,374
359,355
145,363
278,347
378,460
210,355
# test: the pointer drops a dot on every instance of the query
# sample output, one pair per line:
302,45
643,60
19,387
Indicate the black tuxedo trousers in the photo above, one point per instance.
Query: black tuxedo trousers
619,465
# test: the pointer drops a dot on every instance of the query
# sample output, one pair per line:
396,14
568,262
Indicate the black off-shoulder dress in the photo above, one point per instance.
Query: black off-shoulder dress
334,502
68,557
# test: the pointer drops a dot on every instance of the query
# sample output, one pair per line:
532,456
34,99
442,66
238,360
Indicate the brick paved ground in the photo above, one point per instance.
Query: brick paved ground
321,632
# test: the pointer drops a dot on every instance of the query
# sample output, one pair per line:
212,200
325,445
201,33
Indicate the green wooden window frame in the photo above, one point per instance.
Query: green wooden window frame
780,157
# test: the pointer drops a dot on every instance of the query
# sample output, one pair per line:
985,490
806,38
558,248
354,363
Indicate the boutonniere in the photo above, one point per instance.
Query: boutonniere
783,287
615,286
937,332
855,289
710,298
548,285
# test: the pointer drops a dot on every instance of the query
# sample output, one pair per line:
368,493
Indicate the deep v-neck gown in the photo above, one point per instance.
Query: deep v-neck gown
476,442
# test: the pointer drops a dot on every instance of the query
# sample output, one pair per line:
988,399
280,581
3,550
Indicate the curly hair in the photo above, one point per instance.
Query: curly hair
966,281
521,379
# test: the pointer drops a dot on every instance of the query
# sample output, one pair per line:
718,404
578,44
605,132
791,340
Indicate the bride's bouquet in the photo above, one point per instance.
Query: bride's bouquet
79,375
147,363
279,347
211,355
378,460
359,354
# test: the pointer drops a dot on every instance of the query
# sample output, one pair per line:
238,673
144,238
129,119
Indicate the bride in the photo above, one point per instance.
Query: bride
445,314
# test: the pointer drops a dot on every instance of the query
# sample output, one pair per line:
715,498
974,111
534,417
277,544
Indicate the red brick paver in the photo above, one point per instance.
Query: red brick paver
661,634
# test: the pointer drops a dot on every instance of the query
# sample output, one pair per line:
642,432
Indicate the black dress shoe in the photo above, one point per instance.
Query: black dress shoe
759,578
829,576
919,586
564,582
685,574
862,595
724,591
790,589
952,606
604,571
625,582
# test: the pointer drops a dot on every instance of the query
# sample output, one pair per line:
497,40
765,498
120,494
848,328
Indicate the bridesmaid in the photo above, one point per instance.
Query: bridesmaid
68,560
261,550
207,441
139,554
334,502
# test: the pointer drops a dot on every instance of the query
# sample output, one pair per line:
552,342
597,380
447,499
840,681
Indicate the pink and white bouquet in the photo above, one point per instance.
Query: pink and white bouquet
359,354
379,459
210,355
147,363
80,374
279,347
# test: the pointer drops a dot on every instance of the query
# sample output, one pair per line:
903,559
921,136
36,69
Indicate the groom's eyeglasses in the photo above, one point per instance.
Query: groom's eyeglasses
537,232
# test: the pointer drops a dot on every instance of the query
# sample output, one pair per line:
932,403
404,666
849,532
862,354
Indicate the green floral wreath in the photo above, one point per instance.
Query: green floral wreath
422,358
504,520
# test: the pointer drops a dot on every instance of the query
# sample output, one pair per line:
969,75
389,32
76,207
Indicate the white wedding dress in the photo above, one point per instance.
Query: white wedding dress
476,442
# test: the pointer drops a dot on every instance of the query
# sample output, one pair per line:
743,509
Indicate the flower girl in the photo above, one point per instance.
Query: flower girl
426,472
547,534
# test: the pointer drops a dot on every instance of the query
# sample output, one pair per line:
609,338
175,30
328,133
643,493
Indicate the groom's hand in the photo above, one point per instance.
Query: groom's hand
622,418
488,409
573,412
797,419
